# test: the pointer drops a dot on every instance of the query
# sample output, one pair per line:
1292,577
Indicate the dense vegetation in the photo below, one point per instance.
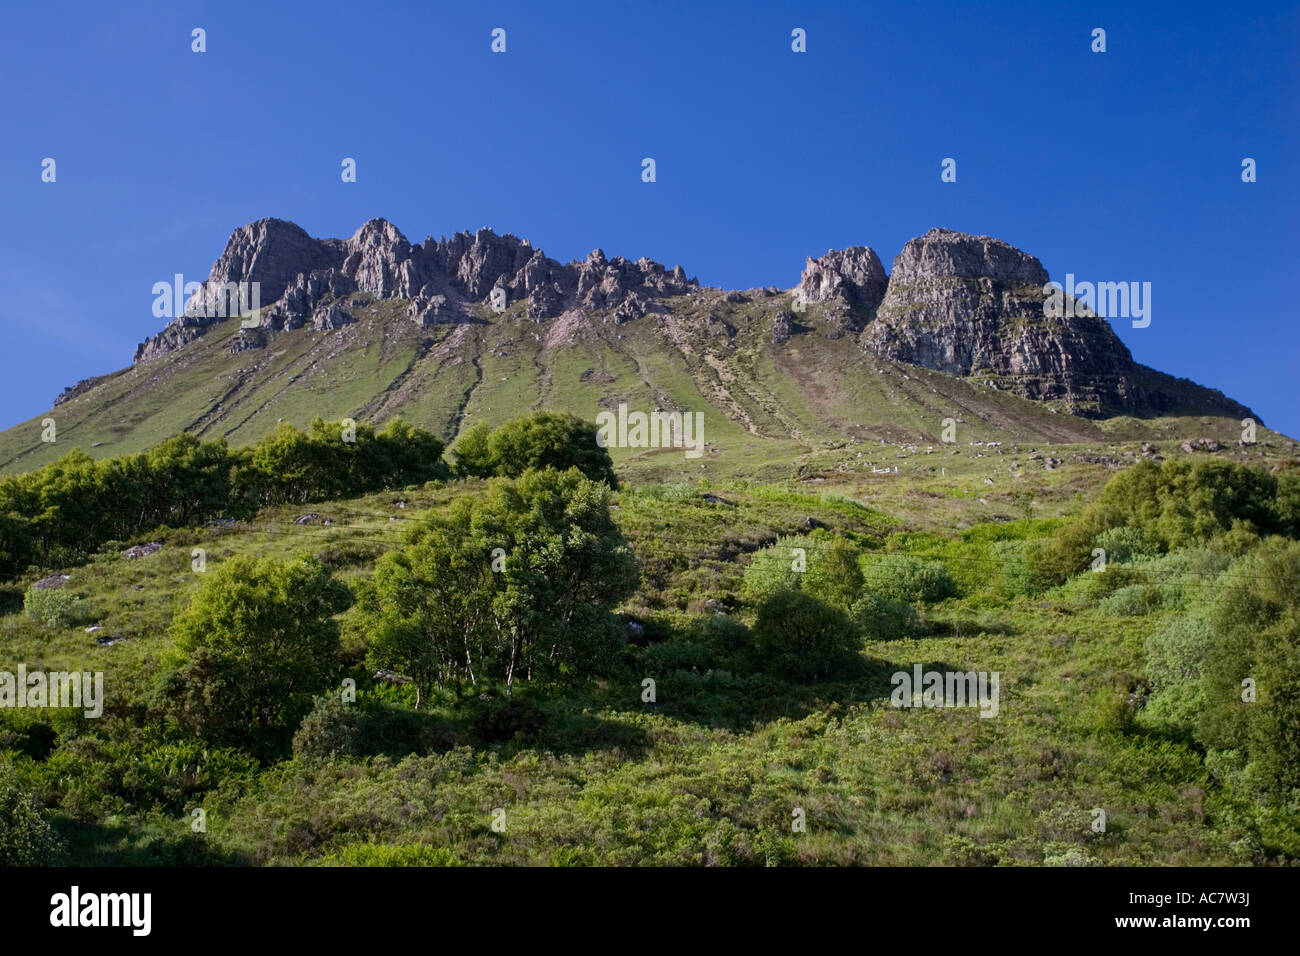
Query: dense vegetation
539,440
1175,504
520,580
68,509
661,674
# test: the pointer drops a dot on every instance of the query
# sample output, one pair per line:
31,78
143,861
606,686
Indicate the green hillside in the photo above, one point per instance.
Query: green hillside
769,406
712,771
282,682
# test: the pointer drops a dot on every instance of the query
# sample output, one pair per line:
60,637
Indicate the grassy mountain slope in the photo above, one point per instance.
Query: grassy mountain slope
710,774
770,405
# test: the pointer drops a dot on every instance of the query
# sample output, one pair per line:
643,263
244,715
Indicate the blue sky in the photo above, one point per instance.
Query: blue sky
1117,166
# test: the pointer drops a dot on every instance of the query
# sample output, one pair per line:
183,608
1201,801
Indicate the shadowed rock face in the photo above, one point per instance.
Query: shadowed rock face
973,306
849,283
301,278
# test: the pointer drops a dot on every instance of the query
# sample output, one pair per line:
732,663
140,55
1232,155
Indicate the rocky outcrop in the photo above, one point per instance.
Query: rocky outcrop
973,306
309,294
966,305
332,316
610,283
379,260
302,281
85,385
426,310
272,253
849,284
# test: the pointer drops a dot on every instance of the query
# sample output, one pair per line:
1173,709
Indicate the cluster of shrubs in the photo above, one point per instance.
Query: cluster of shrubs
1154,508
517,583
62,513
817,597
1213,545
1225,672
541,440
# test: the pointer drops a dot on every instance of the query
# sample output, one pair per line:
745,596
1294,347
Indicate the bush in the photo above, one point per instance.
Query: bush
907,579
884,620
25,837
1176,655
1124,544
540,440
256,641
1111,710
1131,601
1255,617
1246,628
1072,856
348,554
824,566
333,729
803,639
53,607
1089,588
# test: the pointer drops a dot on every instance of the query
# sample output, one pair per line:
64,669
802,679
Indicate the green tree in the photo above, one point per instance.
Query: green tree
189,480
17,541
473,458
804,639
517,582
256,641
540,440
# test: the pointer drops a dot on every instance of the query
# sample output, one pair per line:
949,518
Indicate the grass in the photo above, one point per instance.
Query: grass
804,434
769,409
714,770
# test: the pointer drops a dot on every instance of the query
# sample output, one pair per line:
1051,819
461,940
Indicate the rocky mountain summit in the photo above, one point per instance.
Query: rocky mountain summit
309,282
973,306
969,306
849,284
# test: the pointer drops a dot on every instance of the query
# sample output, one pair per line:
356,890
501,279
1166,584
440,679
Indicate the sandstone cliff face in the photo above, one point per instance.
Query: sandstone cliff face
306,282
973,306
